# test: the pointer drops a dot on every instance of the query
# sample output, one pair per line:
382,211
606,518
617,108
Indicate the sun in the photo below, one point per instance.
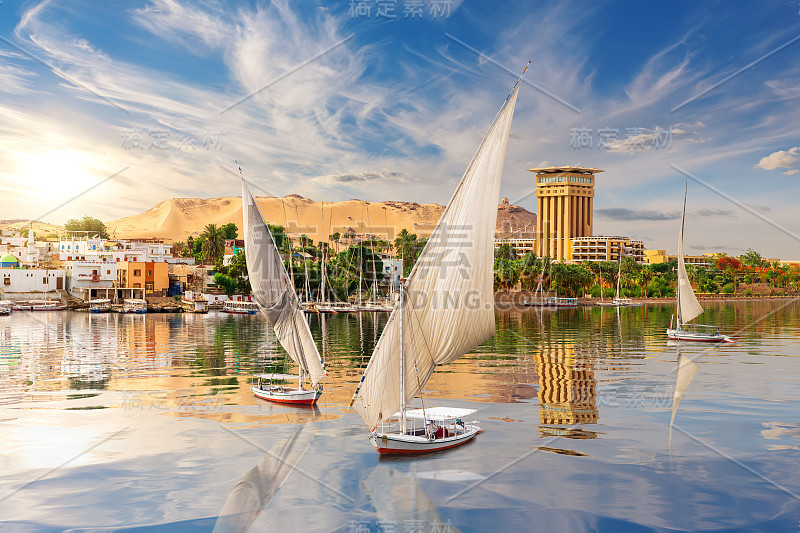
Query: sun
55,175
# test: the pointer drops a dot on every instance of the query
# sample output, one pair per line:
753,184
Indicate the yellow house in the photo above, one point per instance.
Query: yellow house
151,276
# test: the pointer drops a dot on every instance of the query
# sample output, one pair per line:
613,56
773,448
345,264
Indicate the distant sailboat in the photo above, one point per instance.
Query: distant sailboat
688,307
275,297
446,308
619,301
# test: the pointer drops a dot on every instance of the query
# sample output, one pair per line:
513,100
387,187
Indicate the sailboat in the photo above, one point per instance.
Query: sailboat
274,294
446,309
619,301
688,307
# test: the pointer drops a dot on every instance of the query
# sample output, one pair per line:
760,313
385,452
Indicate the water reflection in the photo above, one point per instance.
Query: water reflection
603,378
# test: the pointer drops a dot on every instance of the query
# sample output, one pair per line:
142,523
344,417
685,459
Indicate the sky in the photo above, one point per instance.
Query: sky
107,109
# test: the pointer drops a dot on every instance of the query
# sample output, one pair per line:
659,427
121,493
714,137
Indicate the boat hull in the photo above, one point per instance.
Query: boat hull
287,395
239,312
397,443
679,335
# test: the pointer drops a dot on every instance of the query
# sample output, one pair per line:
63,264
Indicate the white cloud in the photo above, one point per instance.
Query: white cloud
787,159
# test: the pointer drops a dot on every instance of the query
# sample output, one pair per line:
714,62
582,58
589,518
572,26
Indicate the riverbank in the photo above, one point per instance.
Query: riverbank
519,298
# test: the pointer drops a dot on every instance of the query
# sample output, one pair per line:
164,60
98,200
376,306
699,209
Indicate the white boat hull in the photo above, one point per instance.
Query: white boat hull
287,395
398,443
682,335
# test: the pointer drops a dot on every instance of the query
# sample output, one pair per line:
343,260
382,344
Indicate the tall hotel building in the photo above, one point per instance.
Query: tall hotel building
564,208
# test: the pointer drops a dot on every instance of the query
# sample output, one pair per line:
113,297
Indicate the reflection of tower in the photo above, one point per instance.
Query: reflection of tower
563,208
567,392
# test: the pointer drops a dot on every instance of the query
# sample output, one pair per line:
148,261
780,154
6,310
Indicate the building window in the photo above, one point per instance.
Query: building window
137,272
137,285
149,272
149,286
44,280
6,281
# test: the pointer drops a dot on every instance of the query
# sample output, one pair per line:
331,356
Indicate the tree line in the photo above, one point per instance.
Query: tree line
747,275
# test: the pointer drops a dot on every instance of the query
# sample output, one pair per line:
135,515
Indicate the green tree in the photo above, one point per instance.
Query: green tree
230,231
213,246
752,258
406,246
88,224
334,238
225,282
505,251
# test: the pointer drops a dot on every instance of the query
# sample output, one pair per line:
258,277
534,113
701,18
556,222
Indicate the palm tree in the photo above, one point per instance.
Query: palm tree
214,245
334,238
406,246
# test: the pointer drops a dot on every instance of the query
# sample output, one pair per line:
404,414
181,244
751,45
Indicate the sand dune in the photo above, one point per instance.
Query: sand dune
178,218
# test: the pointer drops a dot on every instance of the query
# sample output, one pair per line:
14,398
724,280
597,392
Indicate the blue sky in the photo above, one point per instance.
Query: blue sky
395,107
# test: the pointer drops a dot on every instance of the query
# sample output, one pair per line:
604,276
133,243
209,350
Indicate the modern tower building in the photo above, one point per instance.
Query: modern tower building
564,208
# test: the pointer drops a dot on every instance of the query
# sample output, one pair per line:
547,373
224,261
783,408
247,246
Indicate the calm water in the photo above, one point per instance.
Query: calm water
146,422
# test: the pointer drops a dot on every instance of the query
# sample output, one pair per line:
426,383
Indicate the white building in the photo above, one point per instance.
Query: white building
97,249
89,275
393,271
31,280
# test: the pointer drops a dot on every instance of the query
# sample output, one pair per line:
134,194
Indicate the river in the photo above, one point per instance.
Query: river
146,422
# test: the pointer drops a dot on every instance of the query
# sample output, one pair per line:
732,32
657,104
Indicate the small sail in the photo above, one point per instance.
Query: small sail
272,291
448,304
688,306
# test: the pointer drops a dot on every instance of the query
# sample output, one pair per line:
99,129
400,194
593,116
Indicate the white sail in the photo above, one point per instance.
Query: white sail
688,306
272,291
448,302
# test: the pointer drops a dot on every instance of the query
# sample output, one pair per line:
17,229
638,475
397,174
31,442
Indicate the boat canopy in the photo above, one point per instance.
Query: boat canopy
437,414
273,377
100,301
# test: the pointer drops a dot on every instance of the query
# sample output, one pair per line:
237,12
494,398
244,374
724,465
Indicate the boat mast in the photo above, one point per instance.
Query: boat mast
402,362
322,257
680,258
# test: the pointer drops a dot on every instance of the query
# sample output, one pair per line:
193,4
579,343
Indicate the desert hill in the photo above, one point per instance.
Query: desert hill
178,218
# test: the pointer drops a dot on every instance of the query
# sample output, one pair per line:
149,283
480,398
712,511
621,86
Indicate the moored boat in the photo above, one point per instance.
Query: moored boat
100,306
46,305
240,308
134,306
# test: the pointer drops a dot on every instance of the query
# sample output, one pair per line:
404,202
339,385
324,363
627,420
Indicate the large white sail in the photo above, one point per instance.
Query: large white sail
688,306
272,291
448,303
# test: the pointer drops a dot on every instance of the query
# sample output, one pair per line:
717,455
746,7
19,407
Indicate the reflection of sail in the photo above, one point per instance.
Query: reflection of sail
257,487
567,389
398,503
686,371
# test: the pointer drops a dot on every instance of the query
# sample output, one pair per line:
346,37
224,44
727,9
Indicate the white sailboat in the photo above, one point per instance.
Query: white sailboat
446,309
275,297
688,307
619,301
